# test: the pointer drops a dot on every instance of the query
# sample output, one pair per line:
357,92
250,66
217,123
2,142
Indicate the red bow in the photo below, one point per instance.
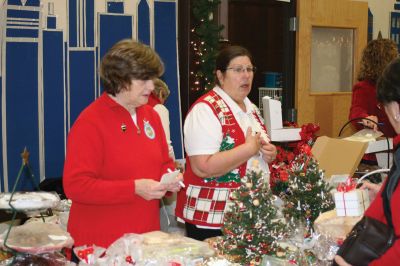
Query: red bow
84,253
347,186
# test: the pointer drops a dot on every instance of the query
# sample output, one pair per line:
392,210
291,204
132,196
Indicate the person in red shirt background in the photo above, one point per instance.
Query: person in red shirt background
364,104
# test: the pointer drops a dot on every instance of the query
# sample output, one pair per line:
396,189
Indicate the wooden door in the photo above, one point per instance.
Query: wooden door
329,109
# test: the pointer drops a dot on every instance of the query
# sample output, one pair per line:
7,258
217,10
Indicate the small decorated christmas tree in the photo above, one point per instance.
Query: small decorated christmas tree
251,228
307,195
285,155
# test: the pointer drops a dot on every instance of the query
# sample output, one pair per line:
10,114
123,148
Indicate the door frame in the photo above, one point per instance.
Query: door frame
329,110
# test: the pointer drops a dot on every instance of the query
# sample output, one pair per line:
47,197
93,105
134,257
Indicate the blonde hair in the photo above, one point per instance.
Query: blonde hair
161,90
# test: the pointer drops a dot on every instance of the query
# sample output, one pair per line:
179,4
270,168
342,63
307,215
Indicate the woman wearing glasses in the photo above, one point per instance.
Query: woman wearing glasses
388,93
224,132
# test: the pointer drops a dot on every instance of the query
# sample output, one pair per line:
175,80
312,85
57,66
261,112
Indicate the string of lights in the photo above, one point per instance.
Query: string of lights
205,35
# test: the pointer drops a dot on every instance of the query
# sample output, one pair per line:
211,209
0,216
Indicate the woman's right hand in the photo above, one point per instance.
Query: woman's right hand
369,123
150,189
253,141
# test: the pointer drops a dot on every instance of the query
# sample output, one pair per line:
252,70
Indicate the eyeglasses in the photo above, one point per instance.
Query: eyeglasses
242,69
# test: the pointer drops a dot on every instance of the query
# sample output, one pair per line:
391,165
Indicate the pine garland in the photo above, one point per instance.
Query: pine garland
205,41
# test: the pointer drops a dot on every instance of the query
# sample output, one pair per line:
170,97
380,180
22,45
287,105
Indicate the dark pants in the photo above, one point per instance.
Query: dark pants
200,233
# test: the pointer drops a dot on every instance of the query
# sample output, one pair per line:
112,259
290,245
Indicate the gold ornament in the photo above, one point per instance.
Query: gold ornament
256,202
25,156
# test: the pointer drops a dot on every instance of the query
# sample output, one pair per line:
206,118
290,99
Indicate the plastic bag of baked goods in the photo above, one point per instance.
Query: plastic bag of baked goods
328,223
29,201
37,237
128,247
44,259
154,249
164,249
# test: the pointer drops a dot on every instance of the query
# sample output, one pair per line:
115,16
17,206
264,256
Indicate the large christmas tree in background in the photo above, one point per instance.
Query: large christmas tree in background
307,195
205,36
251,228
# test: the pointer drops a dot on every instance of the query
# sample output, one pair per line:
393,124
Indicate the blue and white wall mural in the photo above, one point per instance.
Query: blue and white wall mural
49,55
395,24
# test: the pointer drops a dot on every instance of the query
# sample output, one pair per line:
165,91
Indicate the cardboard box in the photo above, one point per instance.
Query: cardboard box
352,203
338,156
272,112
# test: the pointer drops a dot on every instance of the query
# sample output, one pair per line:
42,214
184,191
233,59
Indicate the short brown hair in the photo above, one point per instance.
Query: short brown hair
160,89
128,60
375,57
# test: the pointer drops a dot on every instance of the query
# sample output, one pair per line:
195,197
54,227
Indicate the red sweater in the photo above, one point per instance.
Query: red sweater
103,159
364,103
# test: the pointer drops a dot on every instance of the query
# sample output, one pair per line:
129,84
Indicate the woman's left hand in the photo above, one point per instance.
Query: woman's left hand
340,261
268,151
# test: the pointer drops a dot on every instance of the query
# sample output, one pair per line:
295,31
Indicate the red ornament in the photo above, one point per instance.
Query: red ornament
284,176
249,237
264,248
129,260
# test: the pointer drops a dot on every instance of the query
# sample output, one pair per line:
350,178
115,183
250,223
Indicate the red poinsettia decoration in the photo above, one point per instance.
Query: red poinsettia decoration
279,167
307,133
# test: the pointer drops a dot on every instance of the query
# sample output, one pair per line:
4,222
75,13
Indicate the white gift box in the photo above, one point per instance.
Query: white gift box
352,203
272,111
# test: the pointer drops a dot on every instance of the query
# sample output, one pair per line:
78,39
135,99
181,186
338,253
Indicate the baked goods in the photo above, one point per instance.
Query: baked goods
46,259
37,237
28,201
329,224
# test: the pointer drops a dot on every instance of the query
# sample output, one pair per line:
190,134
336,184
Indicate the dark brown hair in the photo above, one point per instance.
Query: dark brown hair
226,55
388,85
128,60
376,55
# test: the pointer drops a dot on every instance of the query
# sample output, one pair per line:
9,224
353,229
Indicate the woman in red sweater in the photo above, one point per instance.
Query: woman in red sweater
117,152
364,104
389,94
